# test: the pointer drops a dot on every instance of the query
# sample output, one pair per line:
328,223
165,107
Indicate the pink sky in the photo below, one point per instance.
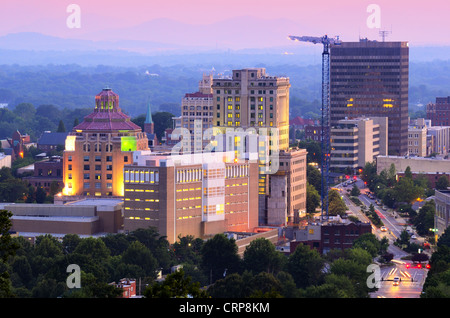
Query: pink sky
417,21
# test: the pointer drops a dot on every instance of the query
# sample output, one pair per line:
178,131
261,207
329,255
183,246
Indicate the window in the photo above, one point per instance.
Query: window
87,176
125,159
86,158
108,158
70,167
98,167
109,167
86,185
87,167
98,185
109,176
69,158
98,158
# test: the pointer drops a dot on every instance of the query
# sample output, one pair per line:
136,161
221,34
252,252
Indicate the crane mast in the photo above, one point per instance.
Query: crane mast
326,147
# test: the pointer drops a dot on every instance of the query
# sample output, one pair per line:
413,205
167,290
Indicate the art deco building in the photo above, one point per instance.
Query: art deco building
97,149
199,194
370,78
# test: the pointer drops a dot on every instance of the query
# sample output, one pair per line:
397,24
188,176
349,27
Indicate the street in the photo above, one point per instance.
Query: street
411,276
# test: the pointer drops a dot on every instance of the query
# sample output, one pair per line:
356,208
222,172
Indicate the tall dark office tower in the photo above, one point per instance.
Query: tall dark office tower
370,78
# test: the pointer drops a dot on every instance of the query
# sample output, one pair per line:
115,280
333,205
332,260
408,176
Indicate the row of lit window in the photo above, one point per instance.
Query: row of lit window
146,200
190,207
188,189
141,176
138,218
187,199
141,209
141,190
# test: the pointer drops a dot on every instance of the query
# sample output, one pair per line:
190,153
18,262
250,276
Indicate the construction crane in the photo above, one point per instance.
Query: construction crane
326,148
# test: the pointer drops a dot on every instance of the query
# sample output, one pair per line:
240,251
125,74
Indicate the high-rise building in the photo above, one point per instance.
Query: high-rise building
257,104
97,149
370,78
252,99
199,194
439,112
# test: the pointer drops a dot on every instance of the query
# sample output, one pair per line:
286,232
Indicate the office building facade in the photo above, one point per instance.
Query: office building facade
354,142
199,194
370,78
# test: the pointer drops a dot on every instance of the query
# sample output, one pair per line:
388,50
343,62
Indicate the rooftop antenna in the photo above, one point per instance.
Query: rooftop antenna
384,34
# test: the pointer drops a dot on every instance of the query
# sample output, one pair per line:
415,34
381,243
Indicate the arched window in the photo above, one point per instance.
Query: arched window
86,147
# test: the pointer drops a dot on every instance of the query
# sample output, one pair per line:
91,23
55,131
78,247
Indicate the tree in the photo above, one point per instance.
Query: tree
369,243
176,285
141,256
314,178
442,183
8,248
312,198
425,218
336,205
305,265
355,191
92,247
162,120
41,195
61,127
261,256
219,257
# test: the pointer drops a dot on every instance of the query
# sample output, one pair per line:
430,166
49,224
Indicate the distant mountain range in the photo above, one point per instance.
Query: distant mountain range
165,39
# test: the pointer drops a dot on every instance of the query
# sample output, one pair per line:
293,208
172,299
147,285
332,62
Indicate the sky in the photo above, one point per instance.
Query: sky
417,21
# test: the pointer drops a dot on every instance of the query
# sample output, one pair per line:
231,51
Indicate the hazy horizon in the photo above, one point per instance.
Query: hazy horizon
233,25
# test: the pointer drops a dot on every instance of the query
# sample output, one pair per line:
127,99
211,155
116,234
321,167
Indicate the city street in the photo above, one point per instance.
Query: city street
411,278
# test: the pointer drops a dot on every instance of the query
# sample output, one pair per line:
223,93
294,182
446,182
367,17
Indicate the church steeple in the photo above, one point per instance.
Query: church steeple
149,126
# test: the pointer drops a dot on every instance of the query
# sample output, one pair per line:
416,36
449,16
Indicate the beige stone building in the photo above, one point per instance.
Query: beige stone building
417,164
357,141
287,199
417,141
252,99
198,194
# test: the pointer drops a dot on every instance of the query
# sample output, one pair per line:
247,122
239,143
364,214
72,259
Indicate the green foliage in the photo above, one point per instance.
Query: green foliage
312,198
425,218
7,249
176,285
219,256
336,205
261,256
442,183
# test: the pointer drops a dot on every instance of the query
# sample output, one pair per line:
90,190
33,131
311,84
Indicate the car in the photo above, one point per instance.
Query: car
413,237
383,229
396,281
